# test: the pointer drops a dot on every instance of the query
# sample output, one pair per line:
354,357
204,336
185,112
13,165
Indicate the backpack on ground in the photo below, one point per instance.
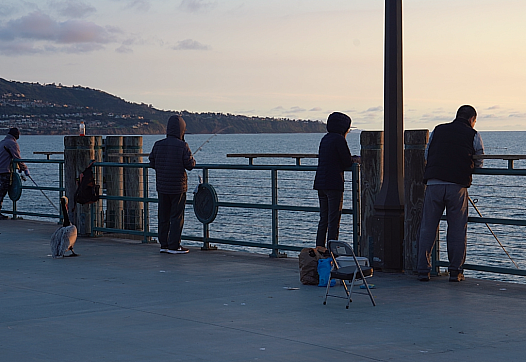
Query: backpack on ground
308,262
87,191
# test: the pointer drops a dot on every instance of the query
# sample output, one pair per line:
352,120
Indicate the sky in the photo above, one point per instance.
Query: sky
298,59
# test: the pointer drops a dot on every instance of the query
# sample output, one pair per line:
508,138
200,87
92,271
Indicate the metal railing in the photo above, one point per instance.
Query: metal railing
60,189
510,171
274,206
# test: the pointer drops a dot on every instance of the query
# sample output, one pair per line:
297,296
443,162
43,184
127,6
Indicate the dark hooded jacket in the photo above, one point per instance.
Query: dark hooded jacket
170,157
333,155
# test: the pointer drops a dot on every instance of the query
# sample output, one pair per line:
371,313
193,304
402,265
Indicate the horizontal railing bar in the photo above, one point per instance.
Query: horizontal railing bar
26,213
124,231
129,198
486,268
500,171
490,220
36,160
43,188
242,243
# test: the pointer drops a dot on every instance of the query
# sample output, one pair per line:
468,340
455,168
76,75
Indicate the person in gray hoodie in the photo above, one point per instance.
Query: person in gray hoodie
9,149
170,158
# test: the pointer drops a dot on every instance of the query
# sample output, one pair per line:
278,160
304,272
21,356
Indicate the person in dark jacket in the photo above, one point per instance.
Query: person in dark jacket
333,158
448,175
9,149
170,158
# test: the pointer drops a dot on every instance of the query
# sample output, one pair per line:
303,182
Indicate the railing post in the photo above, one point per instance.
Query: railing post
356,209
206,227
275,222
61,187
146,207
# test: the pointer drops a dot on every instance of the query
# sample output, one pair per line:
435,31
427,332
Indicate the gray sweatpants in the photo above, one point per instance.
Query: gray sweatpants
453,198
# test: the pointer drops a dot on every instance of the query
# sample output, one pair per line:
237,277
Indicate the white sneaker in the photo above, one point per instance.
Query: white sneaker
180,250
163,251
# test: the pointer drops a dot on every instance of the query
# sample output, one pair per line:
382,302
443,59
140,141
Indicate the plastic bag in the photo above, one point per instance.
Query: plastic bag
324,272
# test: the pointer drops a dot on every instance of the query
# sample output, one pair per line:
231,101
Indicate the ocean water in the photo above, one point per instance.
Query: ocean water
496,196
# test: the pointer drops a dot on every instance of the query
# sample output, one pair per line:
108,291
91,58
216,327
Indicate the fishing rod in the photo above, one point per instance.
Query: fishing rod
51,202
492,233
209,138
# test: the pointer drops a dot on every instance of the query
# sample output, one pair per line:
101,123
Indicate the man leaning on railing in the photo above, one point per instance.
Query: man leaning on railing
448,175
9,150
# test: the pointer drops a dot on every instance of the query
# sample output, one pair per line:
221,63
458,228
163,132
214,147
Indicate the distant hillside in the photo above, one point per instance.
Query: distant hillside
55,109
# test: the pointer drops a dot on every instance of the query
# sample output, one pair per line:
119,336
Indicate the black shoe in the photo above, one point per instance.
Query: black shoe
456,277
423,277
3,217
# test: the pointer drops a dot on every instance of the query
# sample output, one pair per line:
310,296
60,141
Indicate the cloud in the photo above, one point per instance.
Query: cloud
277,109
374,109
73,9
7,10
141,5
194,6
294,110
493,107
38,32
189,44
315,109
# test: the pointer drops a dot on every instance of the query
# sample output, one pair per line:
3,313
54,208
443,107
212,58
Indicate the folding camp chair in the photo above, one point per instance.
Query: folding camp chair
352,273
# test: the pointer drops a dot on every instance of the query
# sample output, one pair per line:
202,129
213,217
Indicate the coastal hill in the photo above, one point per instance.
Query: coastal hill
55,109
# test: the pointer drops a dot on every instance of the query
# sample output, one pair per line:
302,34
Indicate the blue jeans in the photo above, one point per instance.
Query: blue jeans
331,203
171,220
453,198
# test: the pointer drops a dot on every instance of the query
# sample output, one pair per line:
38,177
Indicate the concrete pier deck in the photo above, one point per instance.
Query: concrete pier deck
123,301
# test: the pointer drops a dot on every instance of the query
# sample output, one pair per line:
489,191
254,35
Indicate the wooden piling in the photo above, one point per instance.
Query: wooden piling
114,178
79,151
133,185
372,143
414,163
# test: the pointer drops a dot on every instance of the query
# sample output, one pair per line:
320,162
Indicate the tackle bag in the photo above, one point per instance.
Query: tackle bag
308,263
87,190
15,188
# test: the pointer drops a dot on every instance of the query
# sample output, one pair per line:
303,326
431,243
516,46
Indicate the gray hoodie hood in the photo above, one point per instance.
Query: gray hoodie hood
176,127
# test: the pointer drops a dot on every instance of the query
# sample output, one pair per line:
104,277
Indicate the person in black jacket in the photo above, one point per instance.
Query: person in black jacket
448,175
333,158
171,157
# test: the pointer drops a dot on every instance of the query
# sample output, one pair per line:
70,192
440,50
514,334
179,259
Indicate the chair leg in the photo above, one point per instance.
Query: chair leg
369,292
327,291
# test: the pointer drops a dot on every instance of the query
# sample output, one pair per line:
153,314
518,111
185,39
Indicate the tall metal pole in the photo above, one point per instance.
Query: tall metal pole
389,205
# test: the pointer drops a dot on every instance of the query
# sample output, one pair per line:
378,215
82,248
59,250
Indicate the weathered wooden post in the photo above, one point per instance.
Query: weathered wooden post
133,186
79,151
415,146
372,143
114,182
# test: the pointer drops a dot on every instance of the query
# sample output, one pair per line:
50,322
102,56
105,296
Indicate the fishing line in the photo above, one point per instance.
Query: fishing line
51,202
208,140
492,233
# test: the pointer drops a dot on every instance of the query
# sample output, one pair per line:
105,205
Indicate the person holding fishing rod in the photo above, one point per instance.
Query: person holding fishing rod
448,174
170,158
9,149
